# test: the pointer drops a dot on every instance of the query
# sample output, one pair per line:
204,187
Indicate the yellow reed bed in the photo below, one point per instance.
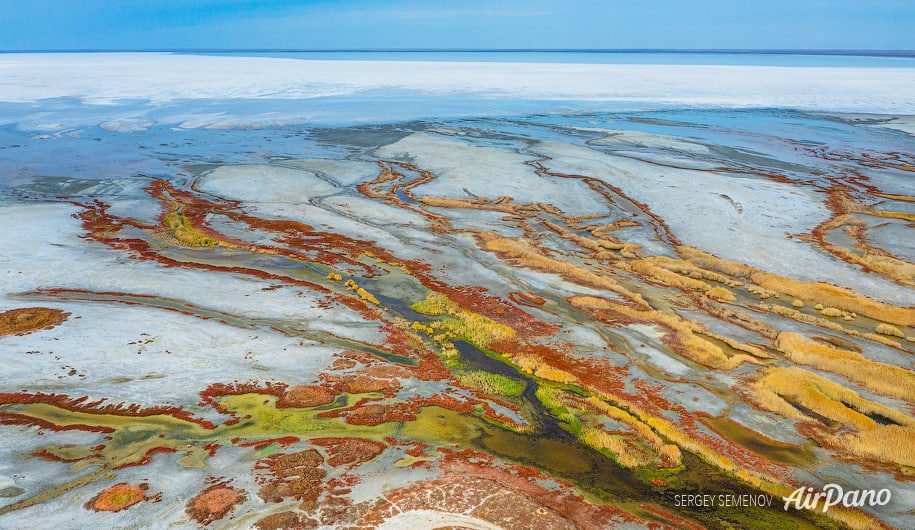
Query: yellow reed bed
828,295
886,379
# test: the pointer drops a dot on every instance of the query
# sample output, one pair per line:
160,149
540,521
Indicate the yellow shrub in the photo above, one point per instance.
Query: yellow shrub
886,329
721,294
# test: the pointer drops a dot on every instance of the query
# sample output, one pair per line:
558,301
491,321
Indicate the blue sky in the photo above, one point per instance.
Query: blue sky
335,24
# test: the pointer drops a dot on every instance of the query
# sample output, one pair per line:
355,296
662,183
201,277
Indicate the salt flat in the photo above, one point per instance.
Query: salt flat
107,78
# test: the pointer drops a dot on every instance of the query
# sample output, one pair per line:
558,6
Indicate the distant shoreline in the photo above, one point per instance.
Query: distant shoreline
610,51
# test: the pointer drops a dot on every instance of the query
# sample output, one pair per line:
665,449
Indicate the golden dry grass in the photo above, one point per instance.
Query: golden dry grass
886,379
528,255
822,293
828,324
779,386
668,453
624,454
651,272
682,336
891,444
474,204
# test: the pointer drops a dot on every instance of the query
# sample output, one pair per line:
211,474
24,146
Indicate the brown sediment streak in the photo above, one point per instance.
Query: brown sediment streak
374,189
97,407
870,159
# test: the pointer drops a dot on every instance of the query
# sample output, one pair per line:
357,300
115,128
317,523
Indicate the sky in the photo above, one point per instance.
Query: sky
487,24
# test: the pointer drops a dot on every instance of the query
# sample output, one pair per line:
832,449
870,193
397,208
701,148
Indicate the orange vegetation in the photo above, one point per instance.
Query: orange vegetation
26,320
348,451
297,476
306,397
117,497
214,503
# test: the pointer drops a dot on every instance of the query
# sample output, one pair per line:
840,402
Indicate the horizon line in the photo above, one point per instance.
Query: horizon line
759,51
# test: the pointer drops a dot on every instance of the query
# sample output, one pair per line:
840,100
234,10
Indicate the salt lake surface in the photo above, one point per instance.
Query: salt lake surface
278,292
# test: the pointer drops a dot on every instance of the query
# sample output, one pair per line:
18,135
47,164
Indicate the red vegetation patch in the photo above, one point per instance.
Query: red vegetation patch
286,521
306,397
525,483
117,497
146,457
519,297
374,414
282,441
29,319
210,396
214,503
670,518
361,384
346,450
294,475
446,401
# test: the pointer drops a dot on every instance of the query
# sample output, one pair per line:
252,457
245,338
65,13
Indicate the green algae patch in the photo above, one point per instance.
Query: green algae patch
182,229
472,327
493,384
